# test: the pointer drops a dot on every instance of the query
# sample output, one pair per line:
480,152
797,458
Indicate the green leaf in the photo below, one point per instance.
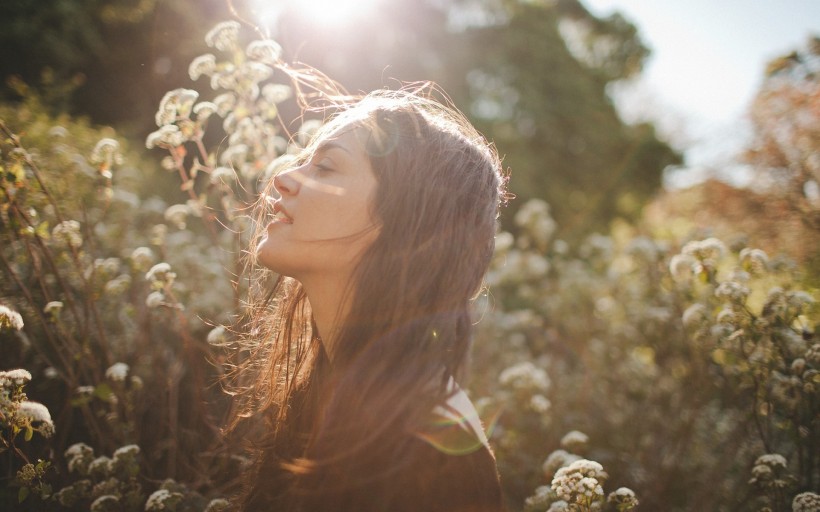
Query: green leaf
22,494
103,392
29,433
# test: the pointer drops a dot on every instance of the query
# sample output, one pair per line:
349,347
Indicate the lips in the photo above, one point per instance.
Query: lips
280,214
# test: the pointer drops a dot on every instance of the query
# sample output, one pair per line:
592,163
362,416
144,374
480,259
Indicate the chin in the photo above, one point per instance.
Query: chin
265,255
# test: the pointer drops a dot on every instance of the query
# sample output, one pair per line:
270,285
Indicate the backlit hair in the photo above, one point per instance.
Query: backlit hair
332,429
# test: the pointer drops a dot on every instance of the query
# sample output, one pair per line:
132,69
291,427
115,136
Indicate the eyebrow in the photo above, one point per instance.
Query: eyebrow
327,145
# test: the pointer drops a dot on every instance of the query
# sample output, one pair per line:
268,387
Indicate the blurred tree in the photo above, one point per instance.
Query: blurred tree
531,74
785,117
110,59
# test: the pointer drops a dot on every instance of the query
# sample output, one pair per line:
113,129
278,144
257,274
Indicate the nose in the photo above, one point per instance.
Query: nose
288,182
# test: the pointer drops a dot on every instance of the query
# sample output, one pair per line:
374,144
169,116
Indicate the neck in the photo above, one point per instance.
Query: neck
329,303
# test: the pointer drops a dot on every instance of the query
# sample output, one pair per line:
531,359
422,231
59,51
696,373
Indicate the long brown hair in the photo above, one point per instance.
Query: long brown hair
334,429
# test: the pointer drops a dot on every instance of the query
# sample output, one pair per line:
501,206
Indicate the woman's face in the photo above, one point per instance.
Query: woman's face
323,219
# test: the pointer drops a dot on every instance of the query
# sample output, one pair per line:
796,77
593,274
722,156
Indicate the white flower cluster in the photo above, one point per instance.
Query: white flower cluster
754,261
813,355
106,151
557,460
67,234
539,500
770,471
264,51
223,36
79,456
105,503
696,257
202,65
682,267
806,502
623,499
708,249
142,258
117,372
575,441
534,217
732,291
14,378
160,274
580,482
162,499
217,505
525,376
694,315
177,215
10,319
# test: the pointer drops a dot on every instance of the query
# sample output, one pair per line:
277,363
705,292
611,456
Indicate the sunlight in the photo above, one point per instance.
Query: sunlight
335,12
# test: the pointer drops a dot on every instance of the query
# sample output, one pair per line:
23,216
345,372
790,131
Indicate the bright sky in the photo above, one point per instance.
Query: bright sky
707,61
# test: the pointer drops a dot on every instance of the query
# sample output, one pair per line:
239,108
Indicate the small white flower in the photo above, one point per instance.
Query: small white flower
681,266
525,375
154,300
574,440
708,249
731,291
105,150
623,498
224,103
217,335
67,234
53,308
15,378
10,319
202,65
217,505
142,257
773,460
276,93
130,450
222,175
162,499
105,503
223,36
204,109
158,272
175,104
694,316
540,404
117,372
754,261
168,135
255,71
264,51
177,214
38,413
557,460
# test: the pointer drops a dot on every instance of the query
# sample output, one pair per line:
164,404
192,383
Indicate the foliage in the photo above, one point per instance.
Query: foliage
786,122
532,75
75,249
684,367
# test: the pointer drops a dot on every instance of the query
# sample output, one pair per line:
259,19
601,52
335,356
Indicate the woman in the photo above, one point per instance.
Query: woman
381,236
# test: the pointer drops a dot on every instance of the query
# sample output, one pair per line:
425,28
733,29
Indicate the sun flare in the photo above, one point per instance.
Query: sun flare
334,12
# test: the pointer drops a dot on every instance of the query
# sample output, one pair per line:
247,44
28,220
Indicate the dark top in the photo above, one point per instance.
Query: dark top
447,467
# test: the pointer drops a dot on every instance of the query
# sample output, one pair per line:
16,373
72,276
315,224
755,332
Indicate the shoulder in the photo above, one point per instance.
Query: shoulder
454,426
453,468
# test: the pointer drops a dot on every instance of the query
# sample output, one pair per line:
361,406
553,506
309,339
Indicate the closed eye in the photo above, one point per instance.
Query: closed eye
323,168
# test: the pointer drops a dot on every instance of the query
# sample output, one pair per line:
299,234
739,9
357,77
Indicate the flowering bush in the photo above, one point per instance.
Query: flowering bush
691,365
